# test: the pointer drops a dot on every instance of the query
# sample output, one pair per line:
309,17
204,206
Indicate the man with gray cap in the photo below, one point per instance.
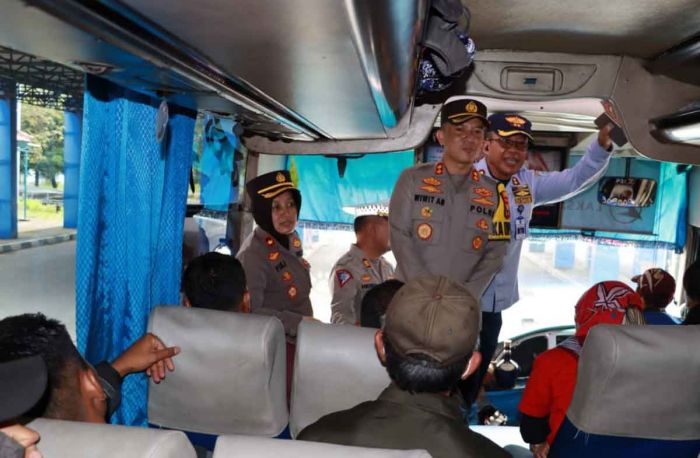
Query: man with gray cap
427,346
446,218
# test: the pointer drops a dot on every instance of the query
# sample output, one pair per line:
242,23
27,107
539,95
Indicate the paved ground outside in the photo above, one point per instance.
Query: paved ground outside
39,279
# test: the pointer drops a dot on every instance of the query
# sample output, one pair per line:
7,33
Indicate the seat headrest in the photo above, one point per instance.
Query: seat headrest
336,367
88,440
234,446
229,378
639,381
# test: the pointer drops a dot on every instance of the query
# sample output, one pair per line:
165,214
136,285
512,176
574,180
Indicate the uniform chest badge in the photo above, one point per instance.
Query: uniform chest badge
432,181
522,195
269,241
296,243
482,224
366,263
486,202
292,291
431,189
475,176
366,278
483,192
439,168
286,276
424,231
273,256
515,181
343,276
477,242
426,212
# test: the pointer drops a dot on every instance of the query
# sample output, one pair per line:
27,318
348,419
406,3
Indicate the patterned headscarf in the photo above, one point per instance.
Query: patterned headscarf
607,303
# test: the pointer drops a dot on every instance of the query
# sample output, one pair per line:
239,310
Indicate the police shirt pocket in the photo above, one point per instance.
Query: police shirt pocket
427,231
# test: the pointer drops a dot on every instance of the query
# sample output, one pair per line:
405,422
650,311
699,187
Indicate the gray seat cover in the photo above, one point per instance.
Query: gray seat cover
336,367
89,440
243,446
230,377
639,381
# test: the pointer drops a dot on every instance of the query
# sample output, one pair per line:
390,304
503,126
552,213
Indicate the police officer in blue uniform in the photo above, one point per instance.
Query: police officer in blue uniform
506,149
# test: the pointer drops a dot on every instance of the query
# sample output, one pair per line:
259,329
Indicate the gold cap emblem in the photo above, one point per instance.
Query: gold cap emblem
472,108
516,121
280,177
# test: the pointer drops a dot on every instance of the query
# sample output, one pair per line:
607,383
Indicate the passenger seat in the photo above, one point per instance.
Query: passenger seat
636,395
89,440
247,446
336,367
229,378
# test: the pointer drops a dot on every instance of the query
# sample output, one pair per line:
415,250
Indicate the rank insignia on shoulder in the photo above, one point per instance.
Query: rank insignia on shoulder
475,176
269,241
432,181
477,242
515,181
273,256
426,212
483,201
482,224
366,278
286,276
296,243
292,291
431,189
483,192
424,231
366,263
439,168
343,276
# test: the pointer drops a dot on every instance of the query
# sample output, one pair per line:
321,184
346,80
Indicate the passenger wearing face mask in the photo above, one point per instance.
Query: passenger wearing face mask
278,276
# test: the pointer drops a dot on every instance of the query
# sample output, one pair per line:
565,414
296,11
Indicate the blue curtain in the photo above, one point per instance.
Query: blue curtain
367,180
132,202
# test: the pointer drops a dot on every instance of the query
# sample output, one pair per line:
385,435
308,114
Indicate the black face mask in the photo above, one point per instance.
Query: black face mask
262,213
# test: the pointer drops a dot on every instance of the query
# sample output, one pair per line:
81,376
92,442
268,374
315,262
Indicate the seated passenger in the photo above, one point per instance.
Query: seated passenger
75,390
362,267
656,287
216,281
553,378
691,285
427,345
375,303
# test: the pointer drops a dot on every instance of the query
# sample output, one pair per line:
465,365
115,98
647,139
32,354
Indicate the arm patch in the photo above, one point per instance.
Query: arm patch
343,276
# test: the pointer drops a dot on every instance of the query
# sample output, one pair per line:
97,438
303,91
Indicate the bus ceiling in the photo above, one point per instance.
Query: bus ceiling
338,77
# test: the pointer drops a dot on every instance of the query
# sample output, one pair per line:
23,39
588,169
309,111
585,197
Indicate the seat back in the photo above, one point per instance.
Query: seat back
635,384
241,446
88,440
229,378
336,367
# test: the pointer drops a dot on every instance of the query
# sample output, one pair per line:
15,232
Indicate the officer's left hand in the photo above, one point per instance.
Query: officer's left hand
604,136
148,353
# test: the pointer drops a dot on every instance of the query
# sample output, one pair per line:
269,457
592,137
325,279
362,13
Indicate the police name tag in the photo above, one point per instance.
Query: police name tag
520,228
